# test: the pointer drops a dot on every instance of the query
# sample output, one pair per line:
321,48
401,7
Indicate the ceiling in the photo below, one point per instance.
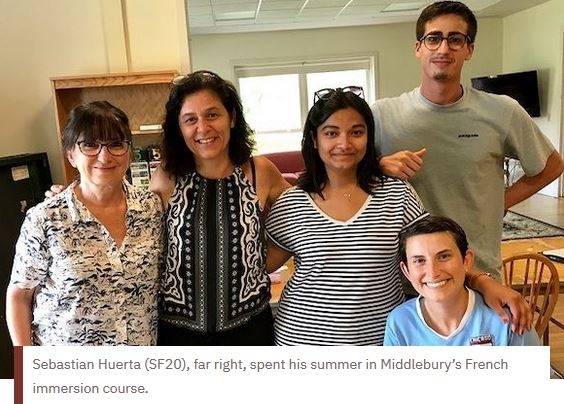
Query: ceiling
229,16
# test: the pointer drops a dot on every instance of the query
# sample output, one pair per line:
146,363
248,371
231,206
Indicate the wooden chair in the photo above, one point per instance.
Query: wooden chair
536,277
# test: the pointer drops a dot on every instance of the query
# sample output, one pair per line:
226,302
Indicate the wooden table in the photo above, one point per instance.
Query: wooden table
537,245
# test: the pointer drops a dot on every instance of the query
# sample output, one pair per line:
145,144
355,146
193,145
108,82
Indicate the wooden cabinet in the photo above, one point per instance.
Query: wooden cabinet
142,96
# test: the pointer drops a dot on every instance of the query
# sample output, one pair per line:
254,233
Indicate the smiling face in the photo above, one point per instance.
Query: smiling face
104,169
206,126
435,267
92,124
341,140
444,64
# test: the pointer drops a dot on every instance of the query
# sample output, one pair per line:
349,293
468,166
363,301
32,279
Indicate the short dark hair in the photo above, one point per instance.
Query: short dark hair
433,224
95,121
314,178
178,159
440,8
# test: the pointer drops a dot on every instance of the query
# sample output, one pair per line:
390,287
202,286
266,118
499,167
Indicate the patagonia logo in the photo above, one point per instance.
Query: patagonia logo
468,135
481,340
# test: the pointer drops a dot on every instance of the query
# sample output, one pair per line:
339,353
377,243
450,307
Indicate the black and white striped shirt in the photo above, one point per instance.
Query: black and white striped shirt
347,276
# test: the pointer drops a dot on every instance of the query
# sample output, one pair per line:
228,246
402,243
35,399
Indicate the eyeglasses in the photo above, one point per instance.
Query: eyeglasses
326,92
91,149
454,41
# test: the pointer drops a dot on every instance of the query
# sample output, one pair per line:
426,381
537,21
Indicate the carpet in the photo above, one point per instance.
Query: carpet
516,226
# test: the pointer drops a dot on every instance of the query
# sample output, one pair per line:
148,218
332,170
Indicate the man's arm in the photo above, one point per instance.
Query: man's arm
497,296
525,186
403,164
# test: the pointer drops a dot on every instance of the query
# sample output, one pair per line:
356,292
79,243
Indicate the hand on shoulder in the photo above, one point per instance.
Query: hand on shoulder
54,190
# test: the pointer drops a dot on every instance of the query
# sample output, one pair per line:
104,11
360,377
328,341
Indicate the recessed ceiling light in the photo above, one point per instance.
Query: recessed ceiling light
412,6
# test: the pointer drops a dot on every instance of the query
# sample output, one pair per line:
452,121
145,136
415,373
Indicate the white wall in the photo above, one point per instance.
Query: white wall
533,40
42,39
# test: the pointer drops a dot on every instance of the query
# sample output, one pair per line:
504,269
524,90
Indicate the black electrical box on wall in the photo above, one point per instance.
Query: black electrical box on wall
23,181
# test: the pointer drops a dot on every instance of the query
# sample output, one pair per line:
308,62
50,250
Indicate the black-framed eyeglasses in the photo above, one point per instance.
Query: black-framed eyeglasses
116,148
455,41
326,92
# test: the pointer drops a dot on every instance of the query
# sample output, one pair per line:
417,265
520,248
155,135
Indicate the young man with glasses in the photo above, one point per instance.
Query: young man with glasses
450,140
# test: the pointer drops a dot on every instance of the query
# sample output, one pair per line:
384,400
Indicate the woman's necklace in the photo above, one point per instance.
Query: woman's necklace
335,194
348,195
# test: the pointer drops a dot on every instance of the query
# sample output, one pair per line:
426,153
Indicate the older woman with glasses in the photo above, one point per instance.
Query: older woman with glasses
216,290
86,268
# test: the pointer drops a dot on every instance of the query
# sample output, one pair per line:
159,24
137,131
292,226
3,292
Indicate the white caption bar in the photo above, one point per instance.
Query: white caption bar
284,374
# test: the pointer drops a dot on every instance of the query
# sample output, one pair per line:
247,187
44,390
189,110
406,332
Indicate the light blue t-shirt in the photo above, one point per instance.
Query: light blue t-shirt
480,325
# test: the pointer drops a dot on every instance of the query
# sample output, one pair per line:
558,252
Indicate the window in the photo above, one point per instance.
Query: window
277,97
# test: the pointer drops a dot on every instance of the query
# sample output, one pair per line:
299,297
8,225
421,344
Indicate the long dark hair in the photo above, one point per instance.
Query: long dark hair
178,159
314,178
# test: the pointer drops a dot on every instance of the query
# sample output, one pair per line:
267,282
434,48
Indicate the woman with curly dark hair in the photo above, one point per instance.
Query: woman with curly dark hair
215,287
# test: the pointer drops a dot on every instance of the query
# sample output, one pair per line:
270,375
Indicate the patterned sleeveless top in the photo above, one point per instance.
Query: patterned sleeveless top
215,277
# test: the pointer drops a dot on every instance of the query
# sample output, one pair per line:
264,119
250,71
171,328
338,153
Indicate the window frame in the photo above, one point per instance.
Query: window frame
305,66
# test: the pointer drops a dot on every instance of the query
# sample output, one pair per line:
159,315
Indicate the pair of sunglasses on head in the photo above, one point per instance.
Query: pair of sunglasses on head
327,92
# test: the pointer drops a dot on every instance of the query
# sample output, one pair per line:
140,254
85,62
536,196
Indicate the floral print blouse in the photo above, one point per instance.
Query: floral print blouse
89,290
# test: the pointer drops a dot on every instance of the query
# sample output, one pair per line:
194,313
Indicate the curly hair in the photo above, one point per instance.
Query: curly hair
314,178
177,158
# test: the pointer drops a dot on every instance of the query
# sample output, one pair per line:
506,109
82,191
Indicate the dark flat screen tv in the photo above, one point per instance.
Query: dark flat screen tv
521,86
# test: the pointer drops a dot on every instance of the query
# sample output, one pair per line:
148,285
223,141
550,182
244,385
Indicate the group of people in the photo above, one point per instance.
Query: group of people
187,263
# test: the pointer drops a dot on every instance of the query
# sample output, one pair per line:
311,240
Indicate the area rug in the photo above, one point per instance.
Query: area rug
516,226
